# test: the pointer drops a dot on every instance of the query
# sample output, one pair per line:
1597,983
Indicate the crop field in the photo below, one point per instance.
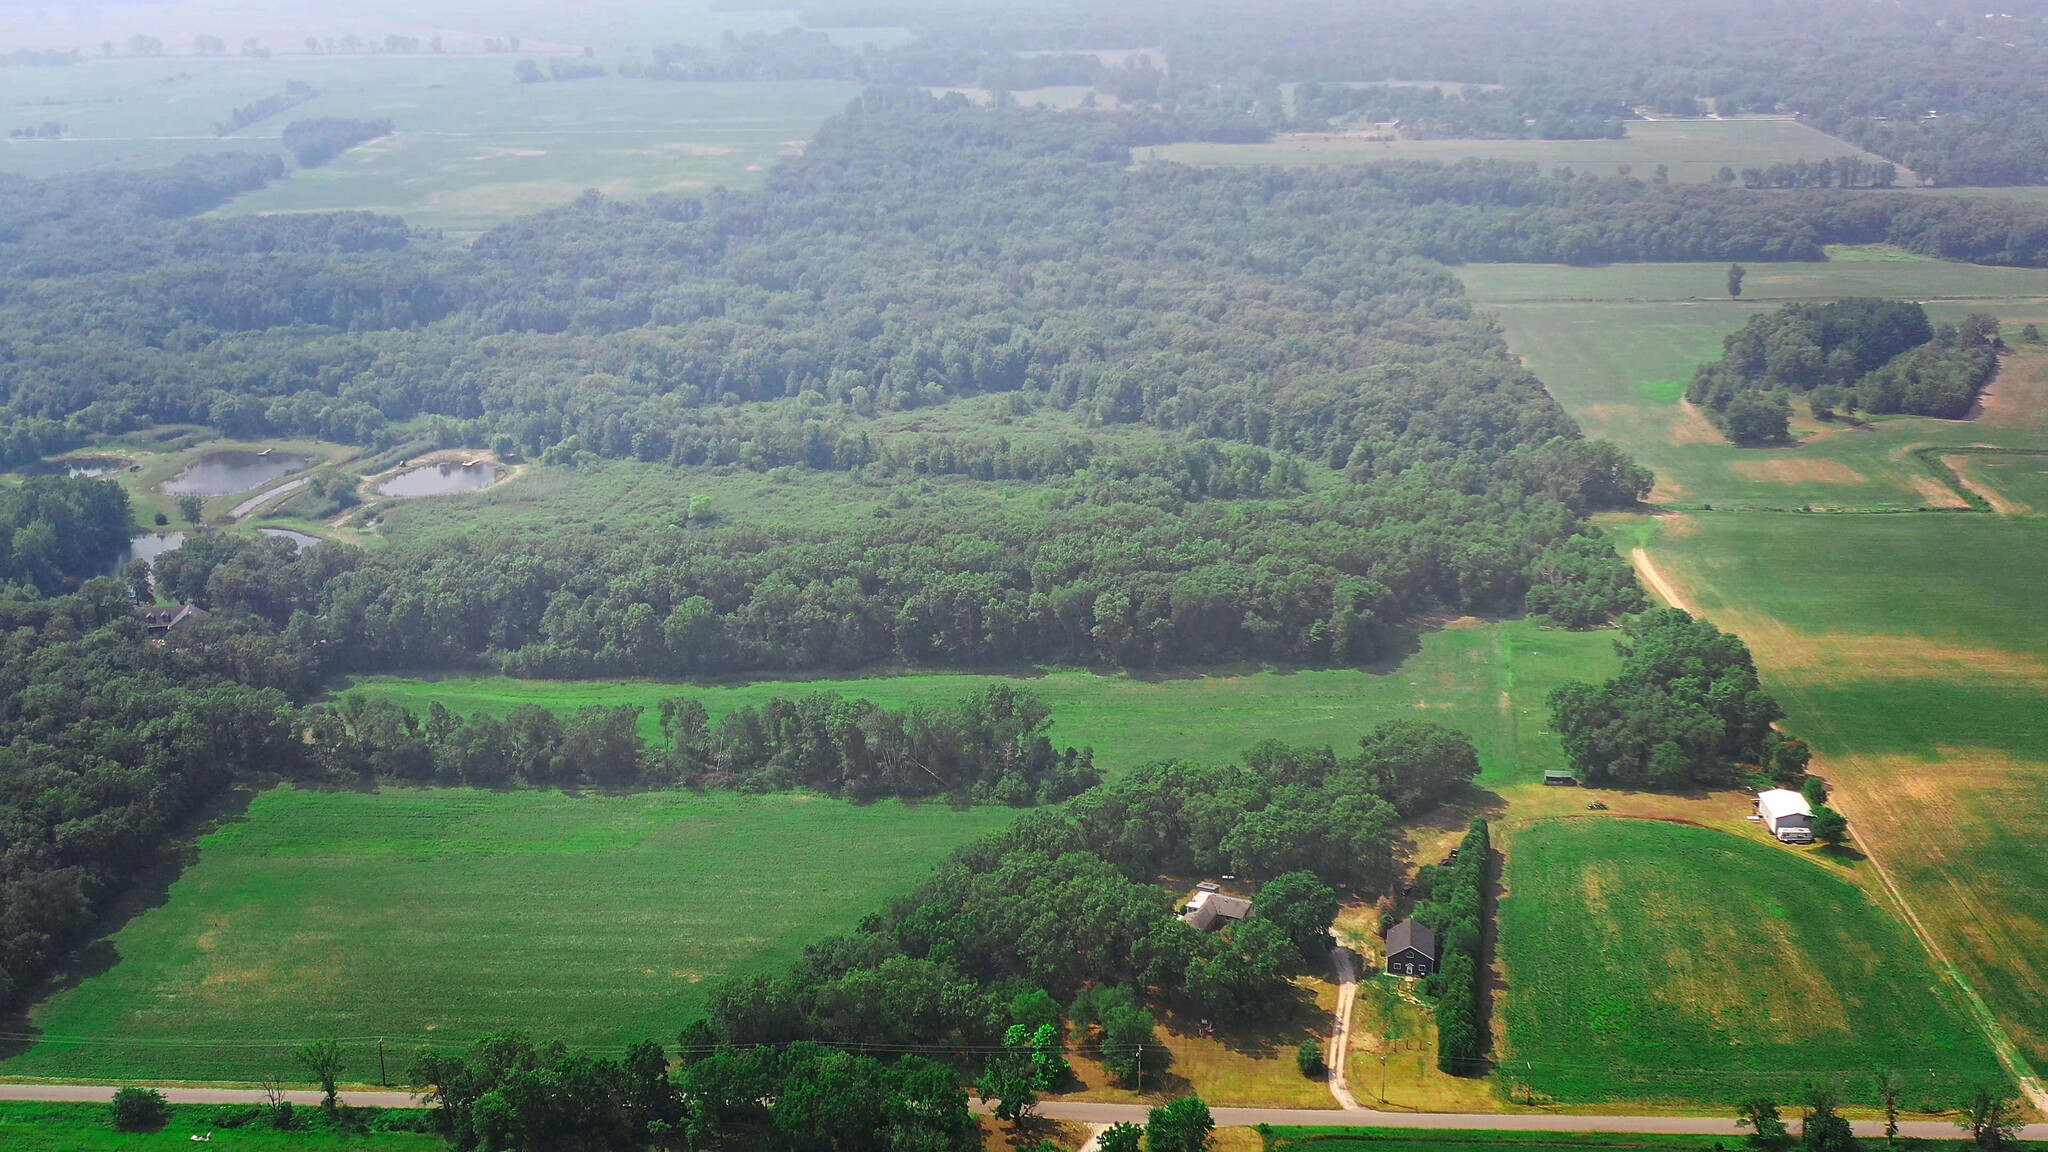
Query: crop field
1487,679
1652,960
471,150
437,915
1908,647
1694,150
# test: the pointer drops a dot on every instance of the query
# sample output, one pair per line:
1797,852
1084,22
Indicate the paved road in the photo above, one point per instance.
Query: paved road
1106,1114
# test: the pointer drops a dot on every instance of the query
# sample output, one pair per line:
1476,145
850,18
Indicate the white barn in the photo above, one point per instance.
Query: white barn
1786,815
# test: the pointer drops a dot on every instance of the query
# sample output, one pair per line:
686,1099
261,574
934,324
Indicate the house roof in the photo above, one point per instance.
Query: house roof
1228,907
1410,934
1557,774
1778,803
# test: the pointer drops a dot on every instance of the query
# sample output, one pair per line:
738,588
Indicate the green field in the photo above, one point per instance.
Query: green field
437,915
472,149
1908,647
1485,679
1649,960
26,1127
1694,150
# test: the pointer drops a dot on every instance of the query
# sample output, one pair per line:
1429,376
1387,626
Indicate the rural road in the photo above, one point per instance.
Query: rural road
1106,1114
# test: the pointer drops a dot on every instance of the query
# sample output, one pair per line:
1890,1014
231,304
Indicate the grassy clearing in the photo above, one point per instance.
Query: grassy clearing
1393,1056
34,1127
437,915
1246,1068
1488,679
1650,960
472,148
1694,150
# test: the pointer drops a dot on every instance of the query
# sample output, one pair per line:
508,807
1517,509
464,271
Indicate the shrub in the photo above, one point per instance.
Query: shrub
1309,1058
139,1110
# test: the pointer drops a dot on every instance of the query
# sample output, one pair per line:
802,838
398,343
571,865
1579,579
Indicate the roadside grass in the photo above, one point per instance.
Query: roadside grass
1423,1140
1656,962
1485,678
1693,150
434,916
1388,1020
37,1127
472,149
1909,651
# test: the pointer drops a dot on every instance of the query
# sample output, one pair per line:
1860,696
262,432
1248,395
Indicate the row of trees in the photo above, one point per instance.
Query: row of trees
990,747
1454,907
315,142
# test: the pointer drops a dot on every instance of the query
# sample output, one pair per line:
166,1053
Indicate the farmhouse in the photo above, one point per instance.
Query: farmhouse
1411,949
1786,815
1212,909
160,620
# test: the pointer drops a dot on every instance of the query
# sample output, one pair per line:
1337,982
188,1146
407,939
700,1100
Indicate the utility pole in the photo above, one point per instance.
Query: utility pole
382,1078
1141,1069
1383,1077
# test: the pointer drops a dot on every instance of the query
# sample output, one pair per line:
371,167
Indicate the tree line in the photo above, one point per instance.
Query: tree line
315,142
1453,905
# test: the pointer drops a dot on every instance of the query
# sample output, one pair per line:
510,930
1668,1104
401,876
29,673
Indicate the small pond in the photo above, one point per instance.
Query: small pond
441,479
299,538
145,546
75,466
226,473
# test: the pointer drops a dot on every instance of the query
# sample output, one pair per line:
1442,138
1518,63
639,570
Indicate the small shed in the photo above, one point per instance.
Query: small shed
1212,909
1786,815
1411,949
1557,778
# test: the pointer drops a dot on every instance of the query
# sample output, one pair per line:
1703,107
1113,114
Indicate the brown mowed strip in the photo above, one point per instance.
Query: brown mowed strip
1692,426
2000,504
2017,397
1936,494
1798,470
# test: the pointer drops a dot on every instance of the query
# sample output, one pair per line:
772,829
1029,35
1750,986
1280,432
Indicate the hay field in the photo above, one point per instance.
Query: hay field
1908,646
1487,679
1694,150
471,150
1649,960
437,915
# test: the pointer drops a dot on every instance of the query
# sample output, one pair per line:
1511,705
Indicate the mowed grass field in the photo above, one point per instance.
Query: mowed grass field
1488,679
472,149
1693,150
1908,646
35,1127
1650,960
433,916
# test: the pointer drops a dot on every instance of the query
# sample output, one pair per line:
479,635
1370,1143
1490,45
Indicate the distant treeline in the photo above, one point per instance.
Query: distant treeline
295,93
1881,356
315,142
1427,112
990,747
528,72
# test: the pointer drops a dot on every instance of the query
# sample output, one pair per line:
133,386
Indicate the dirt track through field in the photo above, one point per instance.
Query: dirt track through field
1665,590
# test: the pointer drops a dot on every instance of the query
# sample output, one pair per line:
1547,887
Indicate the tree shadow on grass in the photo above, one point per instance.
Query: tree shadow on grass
149,888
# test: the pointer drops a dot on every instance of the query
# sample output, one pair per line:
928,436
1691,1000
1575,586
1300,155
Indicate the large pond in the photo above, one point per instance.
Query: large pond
299,538
226,473
441,479
145,546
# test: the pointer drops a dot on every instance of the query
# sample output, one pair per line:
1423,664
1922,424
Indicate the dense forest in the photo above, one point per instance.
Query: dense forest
1880,356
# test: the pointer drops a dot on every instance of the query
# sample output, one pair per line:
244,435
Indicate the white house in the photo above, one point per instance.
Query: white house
1786,815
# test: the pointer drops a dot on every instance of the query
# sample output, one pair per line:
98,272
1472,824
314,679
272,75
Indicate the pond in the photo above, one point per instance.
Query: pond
75,466
299,538
145,546
226,473
441,479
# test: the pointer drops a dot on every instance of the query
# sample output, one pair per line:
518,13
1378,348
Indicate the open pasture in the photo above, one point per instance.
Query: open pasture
1694,150
437,915
471,150
1487,679
1650,960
